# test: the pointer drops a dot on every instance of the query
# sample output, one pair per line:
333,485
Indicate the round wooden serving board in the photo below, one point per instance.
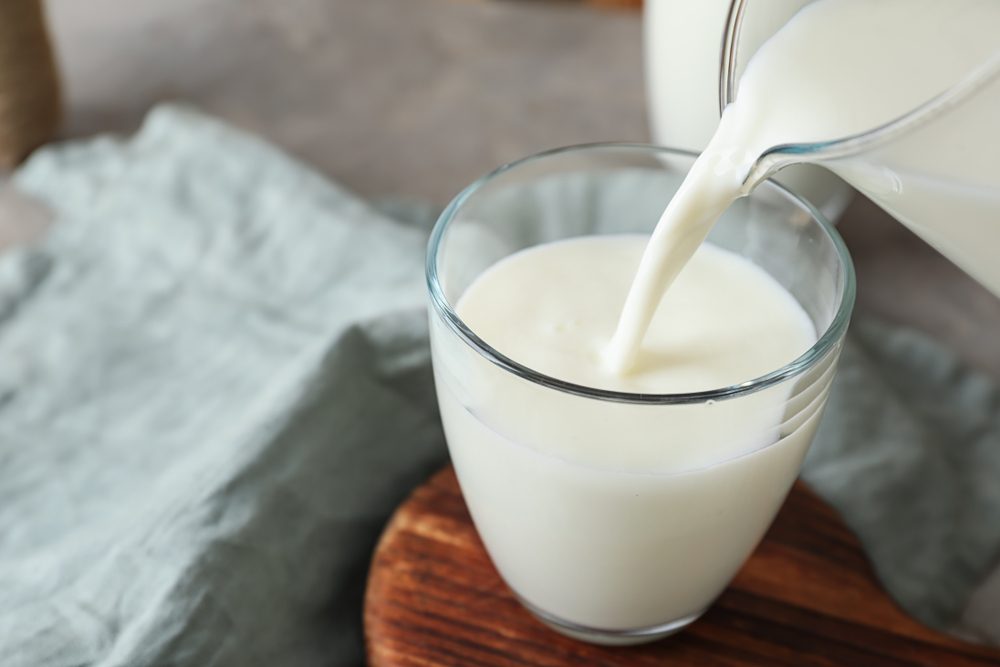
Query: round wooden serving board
806,597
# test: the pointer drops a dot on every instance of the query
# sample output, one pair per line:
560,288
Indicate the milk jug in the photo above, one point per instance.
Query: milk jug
900,98
909,114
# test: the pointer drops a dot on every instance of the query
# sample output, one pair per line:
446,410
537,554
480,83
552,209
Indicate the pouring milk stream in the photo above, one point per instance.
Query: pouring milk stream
841,68
681,44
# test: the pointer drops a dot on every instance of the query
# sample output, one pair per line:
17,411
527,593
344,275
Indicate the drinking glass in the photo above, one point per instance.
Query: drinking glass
598,542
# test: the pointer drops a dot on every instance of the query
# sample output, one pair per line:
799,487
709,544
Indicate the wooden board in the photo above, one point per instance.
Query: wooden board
806,597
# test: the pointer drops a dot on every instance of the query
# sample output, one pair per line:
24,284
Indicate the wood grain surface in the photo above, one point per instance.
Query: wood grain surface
806,597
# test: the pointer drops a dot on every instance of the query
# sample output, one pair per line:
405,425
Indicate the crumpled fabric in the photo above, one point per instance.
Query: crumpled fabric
215,387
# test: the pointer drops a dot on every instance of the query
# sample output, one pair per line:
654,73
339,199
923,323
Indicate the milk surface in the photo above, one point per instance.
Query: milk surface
554,308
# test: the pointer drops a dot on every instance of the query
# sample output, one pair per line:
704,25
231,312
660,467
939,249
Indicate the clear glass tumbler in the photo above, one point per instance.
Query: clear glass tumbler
603,546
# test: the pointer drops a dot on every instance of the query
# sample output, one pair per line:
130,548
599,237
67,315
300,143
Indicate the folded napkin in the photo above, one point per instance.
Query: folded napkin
215,388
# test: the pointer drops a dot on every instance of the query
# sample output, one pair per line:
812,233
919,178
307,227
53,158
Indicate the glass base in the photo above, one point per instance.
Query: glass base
611,637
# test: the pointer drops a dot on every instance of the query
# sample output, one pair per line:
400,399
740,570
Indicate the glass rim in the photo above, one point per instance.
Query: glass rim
823,345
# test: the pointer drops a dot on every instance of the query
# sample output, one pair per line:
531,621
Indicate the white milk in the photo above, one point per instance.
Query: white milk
723,322
611,515
839,68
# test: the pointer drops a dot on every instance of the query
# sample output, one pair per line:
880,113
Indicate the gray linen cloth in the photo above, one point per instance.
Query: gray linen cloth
215,387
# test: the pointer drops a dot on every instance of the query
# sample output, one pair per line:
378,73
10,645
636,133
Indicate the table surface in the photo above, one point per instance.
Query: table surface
418,97
806,598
